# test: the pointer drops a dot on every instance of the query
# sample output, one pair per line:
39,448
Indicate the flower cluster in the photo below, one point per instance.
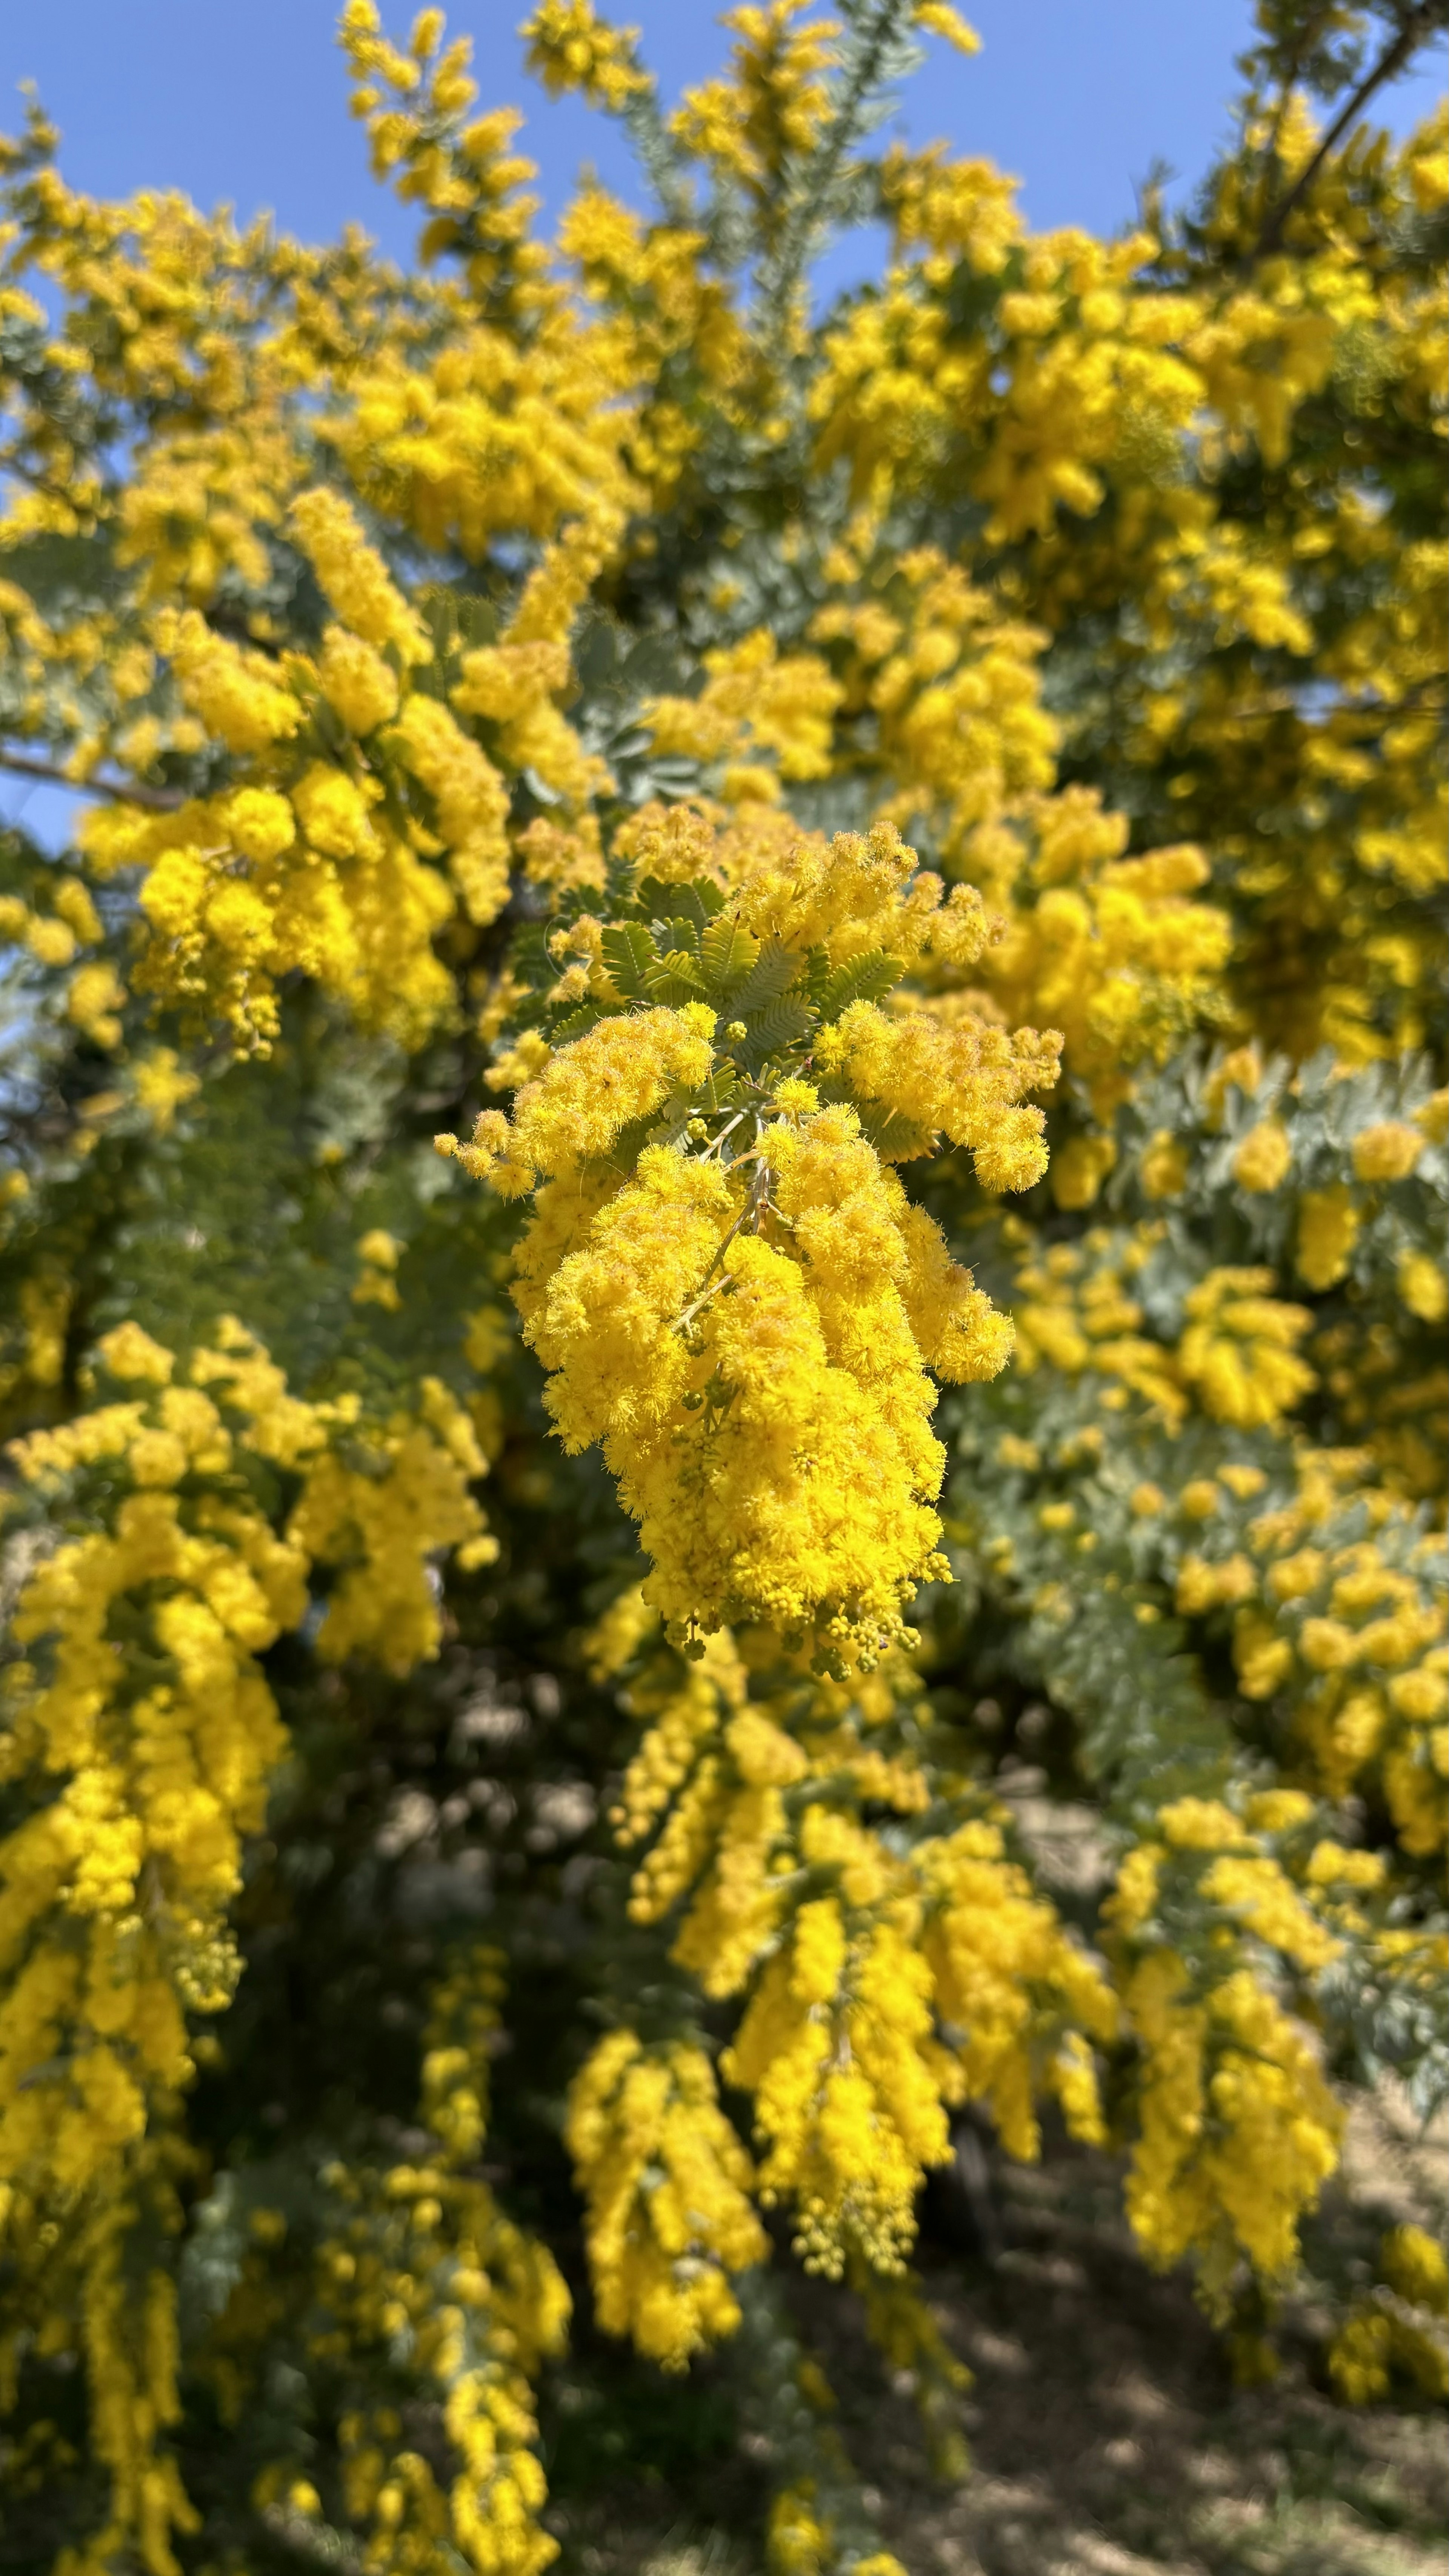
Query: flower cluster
417,2258
667,2187
926,1973
1399,2328
311,860
141,1740
1338,1612
732,1293
1238,2130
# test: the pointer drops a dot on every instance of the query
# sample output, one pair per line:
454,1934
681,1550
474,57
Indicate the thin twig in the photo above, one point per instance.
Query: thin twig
825,164
755,1197
1422,23
724,1134
688,1316
721,1250
157,800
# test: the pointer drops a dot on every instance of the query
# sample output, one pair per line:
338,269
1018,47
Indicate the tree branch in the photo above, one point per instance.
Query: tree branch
1421,23
825,164
156,800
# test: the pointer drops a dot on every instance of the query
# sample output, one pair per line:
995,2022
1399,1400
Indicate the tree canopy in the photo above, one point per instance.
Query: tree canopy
722,1174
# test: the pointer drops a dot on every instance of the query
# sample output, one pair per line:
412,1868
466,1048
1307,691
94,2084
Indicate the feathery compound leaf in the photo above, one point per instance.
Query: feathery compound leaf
896,1139
628,952
722,1090
675,979
781,1024
726,954
861,979
773,972
674,1118
577,1022
531,963
696,902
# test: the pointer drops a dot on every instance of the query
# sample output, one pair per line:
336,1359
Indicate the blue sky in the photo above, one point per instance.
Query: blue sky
244,102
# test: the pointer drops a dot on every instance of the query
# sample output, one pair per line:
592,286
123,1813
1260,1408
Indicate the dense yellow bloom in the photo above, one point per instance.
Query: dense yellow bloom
148,1763
235,897
571,47
740,1324
800,1494
1389,1151
1423,1287
1356,1637
754,700
1263,1157
232,691
353,577
1079,1311
1239,1351
1113,950
1328,1223
800,2539
931,1976
844,2092
379,1526
1023,1999
1238,2128
914,1989
160,1783
1382,2336
357,681
469,799
666,2184
953,687
421,2250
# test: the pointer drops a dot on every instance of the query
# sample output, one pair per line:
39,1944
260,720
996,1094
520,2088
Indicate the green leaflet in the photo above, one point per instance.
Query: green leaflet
775,969
862,979
697,902
628,952
781,1024
726,954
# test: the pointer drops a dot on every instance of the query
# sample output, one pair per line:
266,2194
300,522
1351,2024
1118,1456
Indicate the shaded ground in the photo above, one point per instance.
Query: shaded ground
1107,2437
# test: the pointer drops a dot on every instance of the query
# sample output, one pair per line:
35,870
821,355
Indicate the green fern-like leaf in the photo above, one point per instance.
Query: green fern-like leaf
628,952
774,971
726,954
896,1139
781,1024
862,979
696,903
